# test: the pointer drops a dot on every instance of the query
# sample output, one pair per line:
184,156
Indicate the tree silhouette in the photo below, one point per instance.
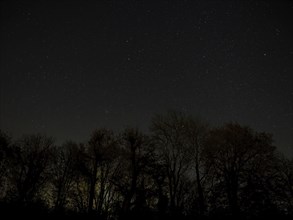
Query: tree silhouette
196,131
5,154
133,161
30,167
236,154
63,173
282,184
182,169
97,157
175,152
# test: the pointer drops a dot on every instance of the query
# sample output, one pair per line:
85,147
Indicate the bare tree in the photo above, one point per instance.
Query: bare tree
134,159
282,186
98,156
31,166
236,153
196,132
64,172
170,139
5,154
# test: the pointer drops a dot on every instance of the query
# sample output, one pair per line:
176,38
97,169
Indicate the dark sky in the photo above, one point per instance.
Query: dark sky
68,67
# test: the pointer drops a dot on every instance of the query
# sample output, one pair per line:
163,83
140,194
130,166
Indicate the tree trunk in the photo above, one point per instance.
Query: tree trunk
200,190
102,191
232,191
92,189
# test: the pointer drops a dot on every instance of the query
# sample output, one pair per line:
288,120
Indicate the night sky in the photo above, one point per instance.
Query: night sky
68,67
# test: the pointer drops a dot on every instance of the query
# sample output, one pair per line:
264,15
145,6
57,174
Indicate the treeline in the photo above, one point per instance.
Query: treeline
183,169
